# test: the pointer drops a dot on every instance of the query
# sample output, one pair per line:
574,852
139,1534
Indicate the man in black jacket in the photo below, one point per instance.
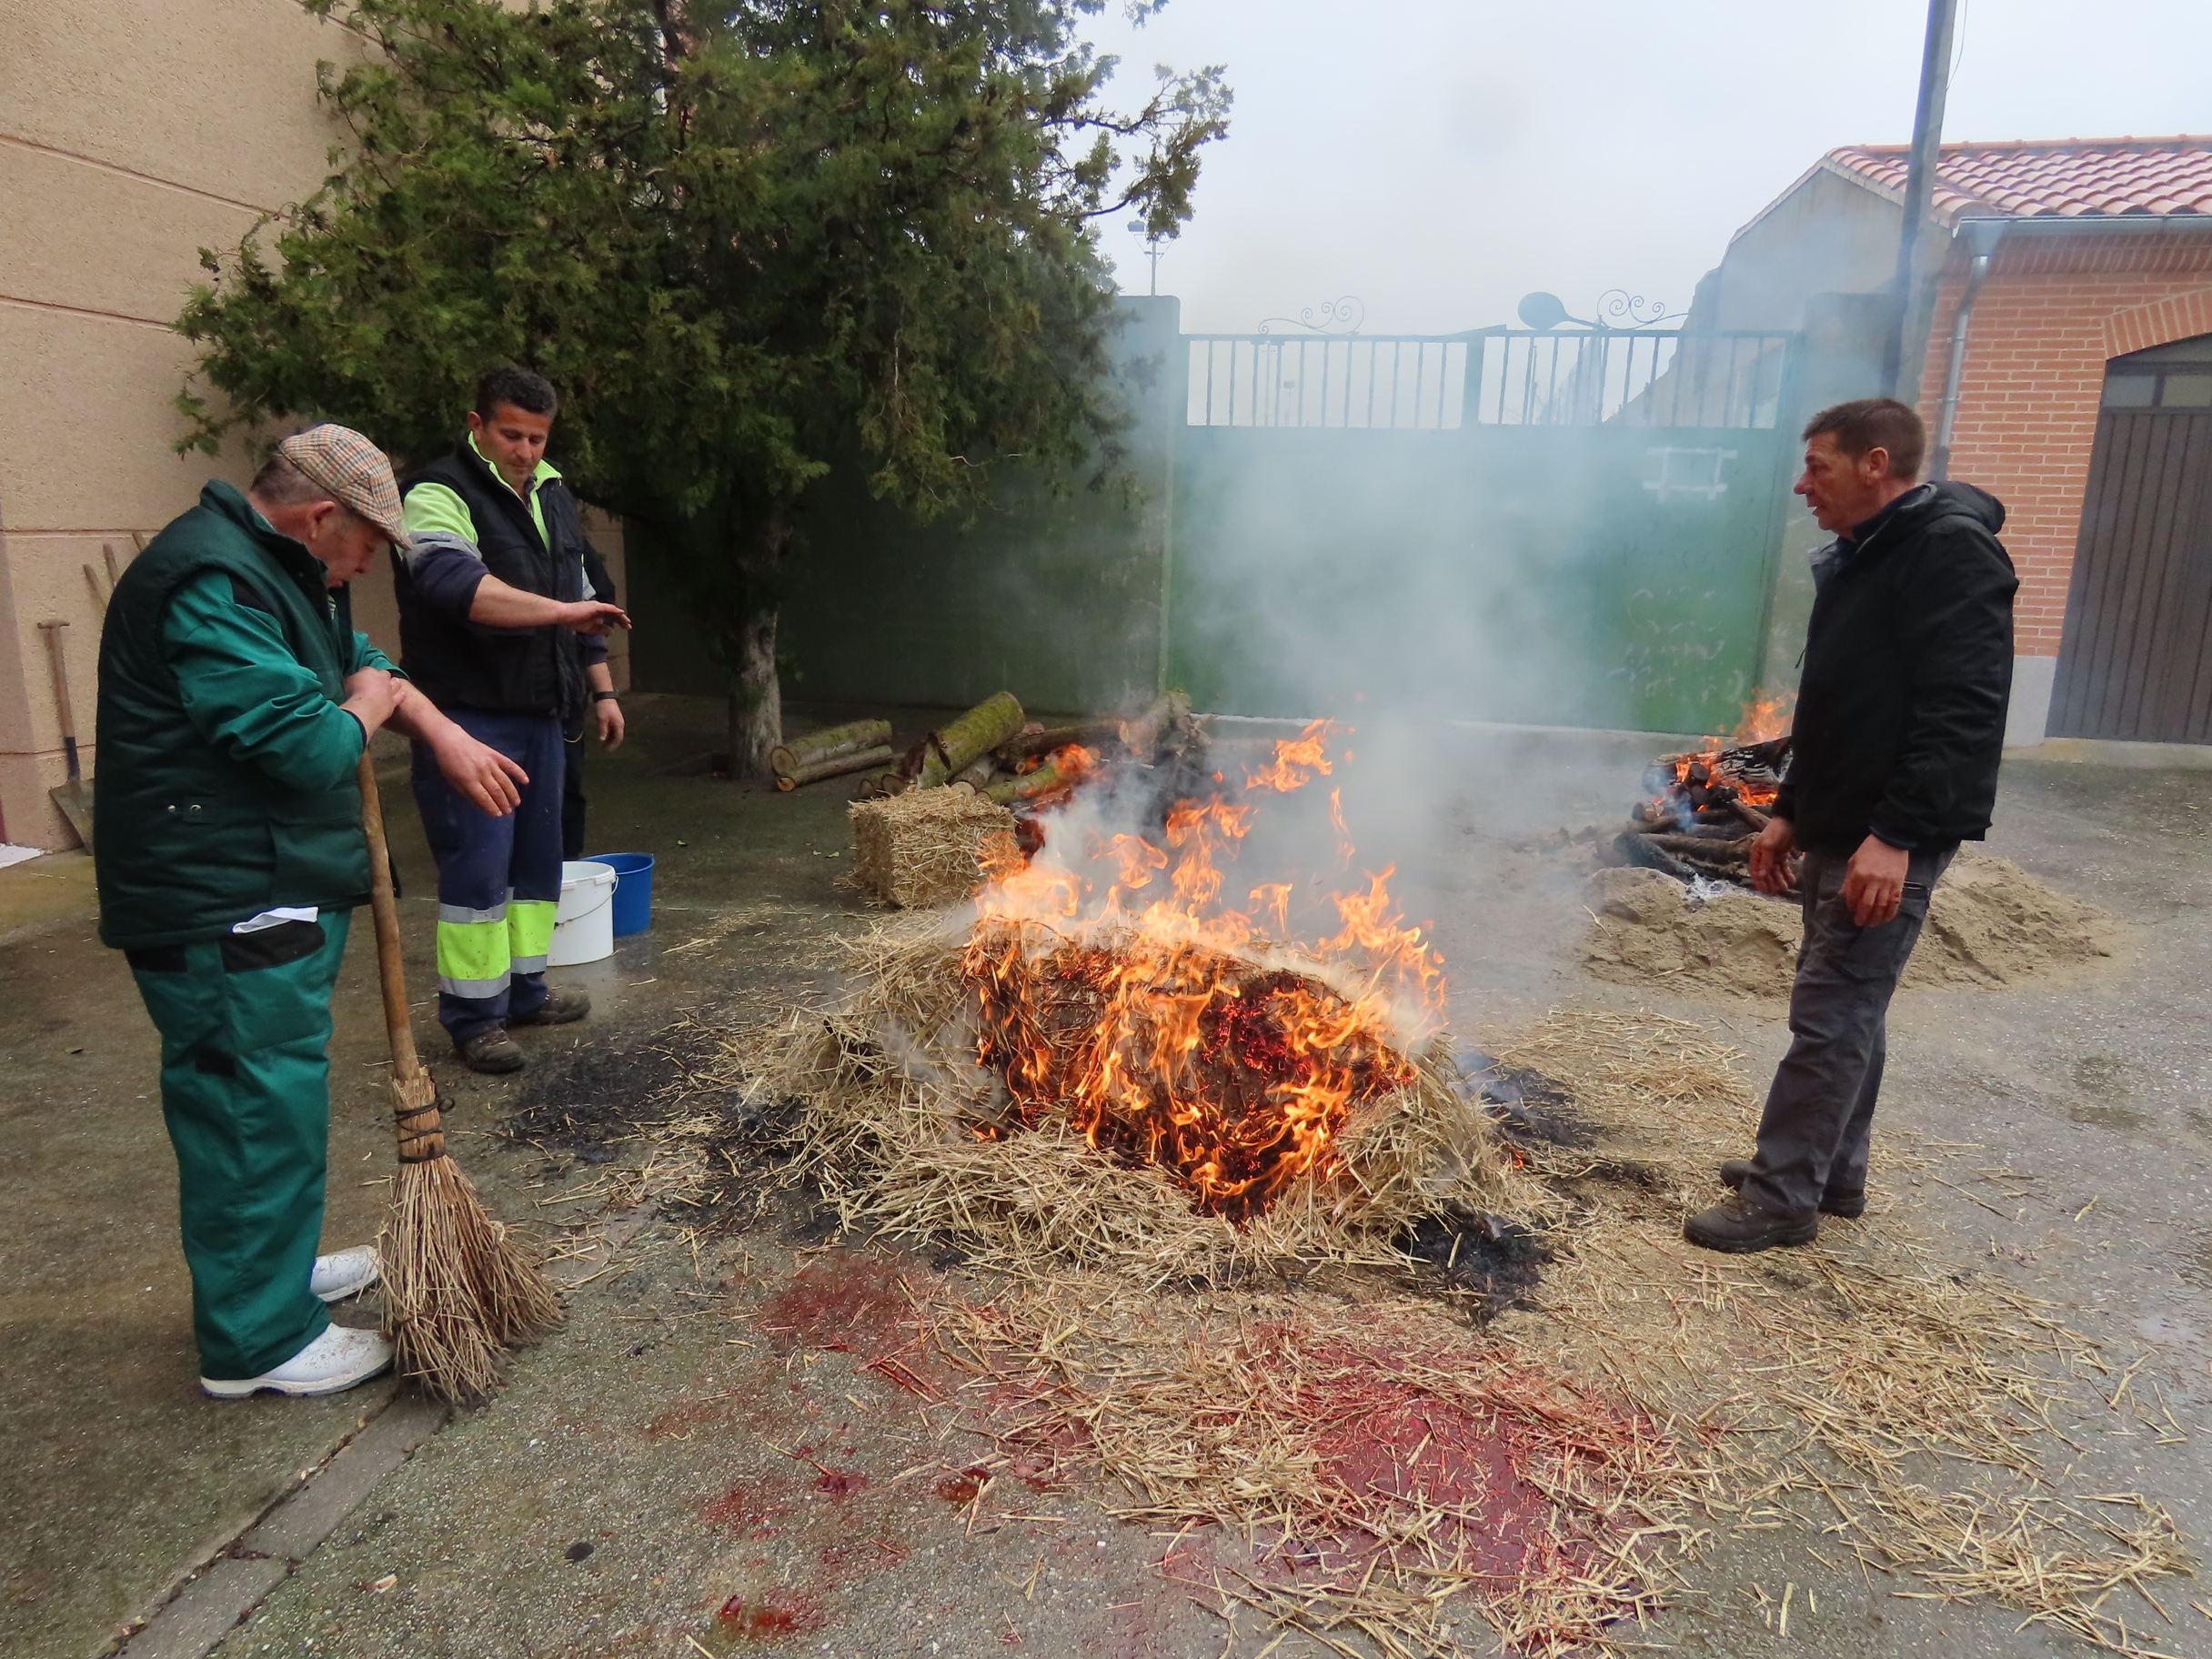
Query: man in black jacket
497,624
1900,726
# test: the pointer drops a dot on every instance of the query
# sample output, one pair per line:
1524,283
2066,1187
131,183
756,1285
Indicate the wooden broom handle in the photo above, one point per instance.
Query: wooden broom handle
407,1064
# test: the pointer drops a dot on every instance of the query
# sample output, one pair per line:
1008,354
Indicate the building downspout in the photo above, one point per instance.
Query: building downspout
1982,239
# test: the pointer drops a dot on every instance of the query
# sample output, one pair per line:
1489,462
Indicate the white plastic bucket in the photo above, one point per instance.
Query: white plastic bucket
584,922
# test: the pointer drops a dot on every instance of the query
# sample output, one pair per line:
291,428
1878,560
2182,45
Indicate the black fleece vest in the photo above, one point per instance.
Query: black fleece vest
461,663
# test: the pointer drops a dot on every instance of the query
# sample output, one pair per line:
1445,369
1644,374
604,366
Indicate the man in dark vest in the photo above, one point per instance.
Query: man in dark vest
236,700
495,625
1900,729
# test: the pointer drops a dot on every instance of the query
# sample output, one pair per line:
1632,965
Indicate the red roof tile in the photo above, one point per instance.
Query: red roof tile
2055,179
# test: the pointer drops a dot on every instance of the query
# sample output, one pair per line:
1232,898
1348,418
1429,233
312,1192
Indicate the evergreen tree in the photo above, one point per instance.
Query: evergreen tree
748,240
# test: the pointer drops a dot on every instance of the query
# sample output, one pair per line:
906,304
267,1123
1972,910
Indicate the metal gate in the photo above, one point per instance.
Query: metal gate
1550,528
2137,658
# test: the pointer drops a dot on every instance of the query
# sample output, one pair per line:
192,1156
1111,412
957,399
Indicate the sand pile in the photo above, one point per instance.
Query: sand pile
1992,925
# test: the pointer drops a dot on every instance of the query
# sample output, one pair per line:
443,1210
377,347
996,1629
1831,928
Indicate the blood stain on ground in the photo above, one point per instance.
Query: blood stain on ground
843,1301
841,1483
746,1510
962,1487
779,1613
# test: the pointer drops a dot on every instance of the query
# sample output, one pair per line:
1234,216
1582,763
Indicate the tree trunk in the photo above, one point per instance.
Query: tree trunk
756,697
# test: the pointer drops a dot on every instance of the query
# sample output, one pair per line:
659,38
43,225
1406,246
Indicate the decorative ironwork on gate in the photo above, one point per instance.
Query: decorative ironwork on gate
1489,378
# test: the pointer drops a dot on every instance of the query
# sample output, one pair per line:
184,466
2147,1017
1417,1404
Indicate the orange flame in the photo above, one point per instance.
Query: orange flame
1298,761
1120,985
1763,718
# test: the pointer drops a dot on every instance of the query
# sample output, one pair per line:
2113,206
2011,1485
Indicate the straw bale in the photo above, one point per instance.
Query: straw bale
926,847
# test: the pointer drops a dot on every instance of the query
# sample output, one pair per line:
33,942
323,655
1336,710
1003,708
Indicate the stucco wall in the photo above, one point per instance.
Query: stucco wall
1826,235
133,132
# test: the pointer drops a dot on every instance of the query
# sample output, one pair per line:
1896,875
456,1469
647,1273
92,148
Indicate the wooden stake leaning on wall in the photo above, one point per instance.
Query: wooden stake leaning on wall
458,1287
102,592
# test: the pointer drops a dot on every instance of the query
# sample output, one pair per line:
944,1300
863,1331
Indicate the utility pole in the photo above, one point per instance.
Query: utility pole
1919,180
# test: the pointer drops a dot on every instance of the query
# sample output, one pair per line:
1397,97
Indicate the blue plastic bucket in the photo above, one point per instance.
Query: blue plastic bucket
633,889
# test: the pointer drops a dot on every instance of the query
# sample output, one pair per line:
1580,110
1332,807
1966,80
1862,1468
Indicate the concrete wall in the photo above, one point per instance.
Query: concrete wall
1827,235
2053,310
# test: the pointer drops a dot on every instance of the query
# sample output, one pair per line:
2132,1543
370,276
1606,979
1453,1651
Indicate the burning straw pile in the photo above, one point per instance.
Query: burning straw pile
1113,1061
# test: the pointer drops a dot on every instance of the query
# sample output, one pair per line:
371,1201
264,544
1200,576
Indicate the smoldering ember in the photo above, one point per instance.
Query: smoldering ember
810,843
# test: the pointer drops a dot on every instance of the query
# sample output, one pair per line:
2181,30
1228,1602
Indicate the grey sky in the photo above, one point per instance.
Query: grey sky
1439,159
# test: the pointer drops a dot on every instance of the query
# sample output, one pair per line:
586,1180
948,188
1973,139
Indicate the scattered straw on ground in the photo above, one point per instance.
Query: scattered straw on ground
1991,925
1394,1478
1411,1484
924,847
1865,1388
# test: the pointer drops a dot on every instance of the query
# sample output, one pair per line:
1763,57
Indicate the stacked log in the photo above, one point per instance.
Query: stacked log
1698,821
852,748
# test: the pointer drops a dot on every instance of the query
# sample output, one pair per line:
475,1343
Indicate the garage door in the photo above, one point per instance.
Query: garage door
2136,659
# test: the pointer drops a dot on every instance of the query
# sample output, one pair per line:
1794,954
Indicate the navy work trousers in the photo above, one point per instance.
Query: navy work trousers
498,879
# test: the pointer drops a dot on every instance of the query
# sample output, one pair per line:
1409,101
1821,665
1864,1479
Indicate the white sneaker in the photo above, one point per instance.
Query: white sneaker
346,1273
333,1362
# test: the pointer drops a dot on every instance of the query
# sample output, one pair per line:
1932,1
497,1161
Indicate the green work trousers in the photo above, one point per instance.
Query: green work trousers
245,1024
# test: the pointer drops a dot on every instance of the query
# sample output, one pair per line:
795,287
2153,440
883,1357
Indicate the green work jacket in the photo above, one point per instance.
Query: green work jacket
225,783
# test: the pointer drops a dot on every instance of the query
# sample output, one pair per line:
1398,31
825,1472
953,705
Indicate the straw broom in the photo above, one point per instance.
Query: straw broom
458,1288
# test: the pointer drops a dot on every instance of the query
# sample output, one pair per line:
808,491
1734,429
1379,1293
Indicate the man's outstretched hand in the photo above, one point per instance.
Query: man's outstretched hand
1873,884
591,616
478,771
1770,857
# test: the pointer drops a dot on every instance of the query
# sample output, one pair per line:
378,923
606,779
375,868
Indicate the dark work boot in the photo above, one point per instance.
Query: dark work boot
559,1007
1849,1206
492,1052
1739,1227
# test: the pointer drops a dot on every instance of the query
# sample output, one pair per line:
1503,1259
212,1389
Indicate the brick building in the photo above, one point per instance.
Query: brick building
2064,346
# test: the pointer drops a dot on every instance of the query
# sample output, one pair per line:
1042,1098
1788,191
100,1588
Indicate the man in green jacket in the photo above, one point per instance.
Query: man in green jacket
235,701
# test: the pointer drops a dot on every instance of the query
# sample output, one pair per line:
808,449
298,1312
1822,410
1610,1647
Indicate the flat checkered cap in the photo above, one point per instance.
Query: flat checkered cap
354,470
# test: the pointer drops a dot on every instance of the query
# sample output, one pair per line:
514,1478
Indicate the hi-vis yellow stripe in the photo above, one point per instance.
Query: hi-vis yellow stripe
530,928
473,957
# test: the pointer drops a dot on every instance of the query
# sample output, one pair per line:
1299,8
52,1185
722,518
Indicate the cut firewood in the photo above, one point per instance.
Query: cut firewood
1643,850
979,776
1169,714
834,765
850,739
1749,814
958,744
1044,780
1051,739
1703,845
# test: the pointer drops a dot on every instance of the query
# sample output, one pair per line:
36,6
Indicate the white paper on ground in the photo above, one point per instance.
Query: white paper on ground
12,854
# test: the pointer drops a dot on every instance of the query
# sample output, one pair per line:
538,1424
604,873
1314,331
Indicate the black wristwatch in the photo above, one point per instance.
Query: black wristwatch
602,697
